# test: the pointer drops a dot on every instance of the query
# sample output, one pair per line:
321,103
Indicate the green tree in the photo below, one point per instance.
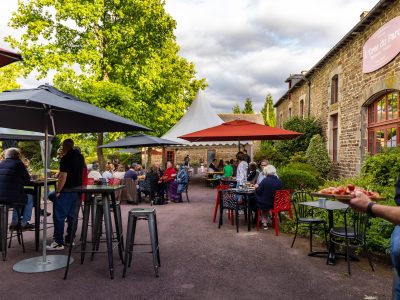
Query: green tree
128,42
248,107
268,111
317,156
236,109
9,75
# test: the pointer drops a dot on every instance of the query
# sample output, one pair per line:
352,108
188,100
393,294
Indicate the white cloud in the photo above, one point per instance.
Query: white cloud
247,48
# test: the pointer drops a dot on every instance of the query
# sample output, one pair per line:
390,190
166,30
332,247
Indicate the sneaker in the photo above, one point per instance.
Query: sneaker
27,226
265,226
67,243
54,246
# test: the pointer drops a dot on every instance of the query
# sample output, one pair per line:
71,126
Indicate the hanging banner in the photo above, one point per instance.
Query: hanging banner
382,46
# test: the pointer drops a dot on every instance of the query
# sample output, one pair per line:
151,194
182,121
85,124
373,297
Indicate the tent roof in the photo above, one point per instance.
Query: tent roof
139,140
200,115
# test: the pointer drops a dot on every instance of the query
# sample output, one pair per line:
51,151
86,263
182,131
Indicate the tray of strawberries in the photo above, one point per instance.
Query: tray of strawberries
344,194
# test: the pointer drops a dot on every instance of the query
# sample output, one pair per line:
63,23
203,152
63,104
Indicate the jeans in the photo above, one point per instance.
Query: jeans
63,208
26,216
395,256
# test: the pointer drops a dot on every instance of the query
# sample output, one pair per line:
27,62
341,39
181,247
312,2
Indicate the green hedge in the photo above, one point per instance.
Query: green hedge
293,179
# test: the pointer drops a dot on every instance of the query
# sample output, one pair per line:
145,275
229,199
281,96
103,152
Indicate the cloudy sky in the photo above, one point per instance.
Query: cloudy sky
247,48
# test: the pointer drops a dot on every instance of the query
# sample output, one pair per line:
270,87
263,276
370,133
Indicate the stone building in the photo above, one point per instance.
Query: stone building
353,90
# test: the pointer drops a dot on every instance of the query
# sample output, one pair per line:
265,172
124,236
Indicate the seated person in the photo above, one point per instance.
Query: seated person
220,165
212,167
253,173
261,175
120,173
150,184
139,170
265,193
131,173
108,173
177,187
228,170
94,173
13,177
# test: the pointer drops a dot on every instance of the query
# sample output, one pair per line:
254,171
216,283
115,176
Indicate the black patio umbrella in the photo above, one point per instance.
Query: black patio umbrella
141,140
20,135
46,107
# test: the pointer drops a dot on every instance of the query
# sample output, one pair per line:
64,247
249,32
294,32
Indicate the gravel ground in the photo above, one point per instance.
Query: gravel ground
200,261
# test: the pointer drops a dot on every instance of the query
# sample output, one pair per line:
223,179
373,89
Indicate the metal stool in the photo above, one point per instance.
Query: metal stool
3,230
148,214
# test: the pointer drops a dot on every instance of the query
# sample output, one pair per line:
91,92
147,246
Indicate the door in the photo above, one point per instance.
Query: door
210,156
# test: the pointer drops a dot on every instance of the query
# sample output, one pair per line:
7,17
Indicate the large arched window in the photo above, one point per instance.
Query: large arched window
383,123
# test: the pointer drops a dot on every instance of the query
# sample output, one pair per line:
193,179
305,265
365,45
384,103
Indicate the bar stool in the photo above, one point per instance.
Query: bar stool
4,227
148,214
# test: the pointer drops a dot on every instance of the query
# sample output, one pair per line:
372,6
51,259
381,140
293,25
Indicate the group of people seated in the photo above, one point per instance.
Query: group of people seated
263,177
119,172
165,185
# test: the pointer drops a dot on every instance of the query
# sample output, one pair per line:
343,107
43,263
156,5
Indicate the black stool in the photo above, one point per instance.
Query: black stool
4,227
148,214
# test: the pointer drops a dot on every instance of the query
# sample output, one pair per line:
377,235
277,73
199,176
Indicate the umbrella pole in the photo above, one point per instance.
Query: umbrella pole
44,263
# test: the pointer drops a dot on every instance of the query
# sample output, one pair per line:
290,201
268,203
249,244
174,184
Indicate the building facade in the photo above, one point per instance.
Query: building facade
353,90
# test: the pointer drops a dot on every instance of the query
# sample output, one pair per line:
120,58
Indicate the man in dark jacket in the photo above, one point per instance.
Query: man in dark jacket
13,177
71,167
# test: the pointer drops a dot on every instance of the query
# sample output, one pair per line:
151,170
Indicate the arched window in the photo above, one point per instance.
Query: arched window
334,89
383,123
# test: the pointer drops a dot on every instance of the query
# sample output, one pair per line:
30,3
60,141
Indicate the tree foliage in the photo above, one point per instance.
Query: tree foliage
128,43
236,109
9,75
248,107
317,156
308,127
268,111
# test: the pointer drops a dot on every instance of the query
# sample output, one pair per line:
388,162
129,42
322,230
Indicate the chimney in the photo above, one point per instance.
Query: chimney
364,14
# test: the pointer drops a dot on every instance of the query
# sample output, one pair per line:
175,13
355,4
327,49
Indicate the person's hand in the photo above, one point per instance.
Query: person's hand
256,185
360,202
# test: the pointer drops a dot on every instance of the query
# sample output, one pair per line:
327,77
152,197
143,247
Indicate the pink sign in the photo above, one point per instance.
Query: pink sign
382,46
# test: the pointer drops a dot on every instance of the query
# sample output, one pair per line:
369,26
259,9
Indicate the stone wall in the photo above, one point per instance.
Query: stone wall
356,90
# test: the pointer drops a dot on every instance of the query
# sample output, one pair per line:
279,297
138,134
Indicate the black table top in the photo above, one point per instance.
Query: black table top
327,204
40,182
243,191
94,189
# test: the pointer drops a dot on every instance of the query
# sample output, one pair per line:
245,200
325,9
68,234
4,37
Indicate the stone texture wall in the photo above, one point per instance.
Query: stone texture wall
356,90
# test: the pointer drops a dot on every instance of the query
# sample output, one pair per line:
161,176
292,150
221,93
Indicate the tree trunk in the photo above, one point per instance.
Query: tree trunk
100,155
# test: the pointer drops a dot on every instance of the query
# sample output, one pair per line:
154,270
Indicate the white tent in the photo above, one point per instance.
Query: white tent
200,115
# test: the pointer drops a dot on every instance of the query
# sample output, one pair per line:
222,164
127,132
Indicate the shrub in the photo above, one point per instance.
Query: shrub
293,179
308,127
303,167
269,151
317,156
384,168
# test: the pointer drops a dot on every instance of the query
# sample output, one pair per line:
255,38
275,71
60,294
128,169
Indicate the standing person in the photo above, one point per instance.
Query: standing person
71,168
228,170
13,177
241,173
246,156
187,161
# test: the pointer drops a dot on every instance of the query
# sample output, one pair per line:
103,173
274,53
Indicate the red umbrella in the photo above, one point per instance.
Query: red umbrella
240,130
8,57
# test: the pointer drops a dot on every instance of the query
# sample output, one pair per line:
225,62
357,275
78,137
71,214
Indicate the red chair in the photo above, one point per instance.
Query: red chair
114,181
219,188
281,203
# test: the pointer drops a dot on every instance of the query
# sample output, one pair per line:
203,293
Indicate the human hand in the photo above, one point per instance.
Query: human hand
360,202
256,185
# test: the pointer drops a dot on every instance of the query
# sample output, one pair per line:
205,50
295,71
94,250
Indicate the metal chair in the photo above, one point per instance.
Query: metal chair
352,235
228,201
305,216
219,188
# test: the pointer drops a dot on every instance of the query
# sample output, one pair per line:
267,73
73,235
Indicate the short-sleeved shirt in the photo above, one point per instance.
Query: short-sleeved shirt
228,171
72,164
131,174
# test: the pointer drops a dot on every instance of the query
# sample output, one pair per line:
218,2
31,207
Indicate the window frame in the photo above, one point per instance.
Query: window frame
334,89
385,123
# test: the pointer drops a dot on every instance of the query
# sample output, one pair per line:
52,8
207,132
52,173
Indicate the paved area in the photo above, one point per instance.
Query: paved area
200,261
